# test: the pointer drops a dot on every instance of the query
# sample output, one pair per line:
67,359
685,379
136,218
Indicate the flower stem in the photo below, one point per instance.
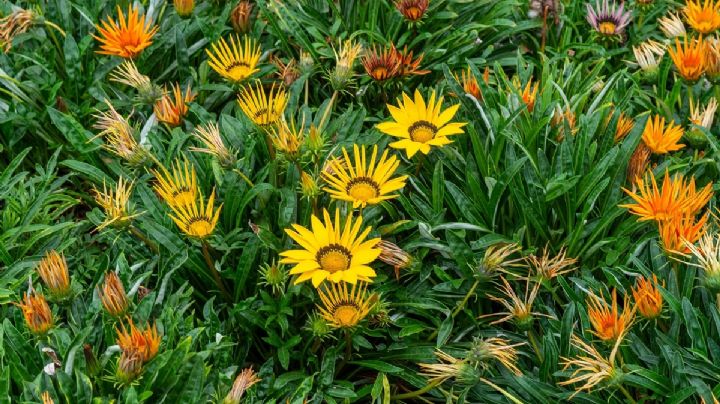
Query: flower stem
348,352
326,114
533,342
216,276
419,392
140,235
460,306
627,394
244,177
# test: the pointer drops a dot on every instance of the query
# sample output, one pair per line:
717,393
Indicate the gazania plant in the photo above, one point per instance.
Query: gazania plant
377,201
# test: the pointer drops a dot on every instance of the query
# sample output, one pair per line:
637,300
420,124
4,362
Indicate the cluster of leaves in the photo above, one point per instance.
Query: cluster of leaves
545,180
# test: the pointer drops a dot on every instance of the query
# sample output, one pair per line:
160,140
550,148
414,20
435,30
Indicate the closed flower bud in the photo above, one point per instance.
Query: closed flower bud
91,363
112,295
53,271
308,185
184,8
38,317
241,17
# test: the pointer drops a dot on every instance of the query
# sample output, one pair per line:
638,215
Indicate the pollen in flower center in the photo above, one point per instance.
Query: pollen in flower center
346,314
183,196
199,227
607,27
334,258
239,68
363,189
422,131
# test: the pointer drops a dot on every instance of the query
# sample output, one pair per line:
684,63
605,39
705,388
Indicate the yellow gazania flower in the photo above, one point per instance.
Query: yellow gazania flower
145,343
172,109
364,182
648,300
209,135
288,139
184,8
682,228
235,62
591,367
675,197
178,188
702,17
115,204
661,139
112,295
127,37
608,324
261,108
197,221
623,127
38,317
53,270
343,309
46,398
421,126
332,251
689,58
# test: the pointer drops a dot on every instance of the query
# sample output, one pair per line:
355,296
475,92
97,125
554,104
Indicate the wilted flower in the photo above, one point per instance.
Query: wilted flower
672,26
392,254
638,164
184,8
450,368
412,10
408,66
126,38
608,324
546,267
381,64
14,24
707,258
209,135
112,295
689,58
244,380
342,308
648,300
681,228
53,271
702,16
702,121
519,309
128,74
171,109
115,204
661,139
608,20
262,108
241,17
287,72
234,62
38,317
712,58
341,76
591,367
496,260
648,56
91,363
129,367
552,9
119,135
482,351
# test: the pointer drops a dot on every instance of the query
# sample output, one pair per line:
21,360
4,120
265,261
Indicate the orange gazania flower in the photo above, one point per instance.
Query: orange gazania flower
412,10
623,127
661,139
702,17
408,66
679,229
127,37
608,324
648,300
381,64
172,109
675,197
470,84
145,343
112,295
36,311
689,58
529,94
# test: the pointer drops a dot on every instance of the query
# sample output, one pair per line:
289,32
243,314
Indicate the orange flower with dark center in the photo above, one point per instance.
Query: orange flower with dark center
689,58
382,64
408,66
648,300
36,311
126,38
171,109
682,228
412,10
145,343
608,324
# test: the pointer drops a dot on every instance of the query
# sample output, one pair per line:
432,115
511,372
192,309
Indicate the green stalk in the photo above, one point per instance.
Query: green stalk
459,308
142,237
417,393
216,276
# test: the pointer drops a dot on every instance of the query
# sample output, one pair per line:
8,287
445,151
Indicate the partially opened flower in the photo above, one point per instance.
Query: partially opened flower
342,75
35,309
412,10
127,37
672,26
483,351
309,186
46,398
546,267
262,108
53,270
244,380
332,251
381,64
712,58
210,137
529,94
361,181
184,8
519,309
591,367
420,126
608,20
648,56
112,295
197,219
470,84
674,197
171,109
235,61
408,65
702,16
623,127
241,17
127,73
119,135
689,58
449,367
705,117
681,228
288,139
179,187
662,139
115,204
287,72
343,308
608,324
707,258
648,300
146,341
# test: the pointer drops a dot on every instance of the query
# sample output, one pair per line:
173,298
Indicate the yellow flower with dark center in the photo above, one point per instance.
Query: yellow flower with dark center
195,219
703,17
419,126
343,309
38,317
112,295
689,58
126,38
676,196
362,181
648,300
235,62
171,109
145,342
608,324
261,108
412,10
381,64
179,187
661,139
53,271
332,251
681,228
115,204
623,127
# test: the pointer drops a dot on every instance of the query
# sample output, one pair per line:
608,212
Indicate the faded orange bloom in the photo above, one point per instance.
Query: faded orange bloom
682,228
244,380
608,324
470,84
126,38
638,163
112,295
38,317
408,66
648,300
172,109
661,139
